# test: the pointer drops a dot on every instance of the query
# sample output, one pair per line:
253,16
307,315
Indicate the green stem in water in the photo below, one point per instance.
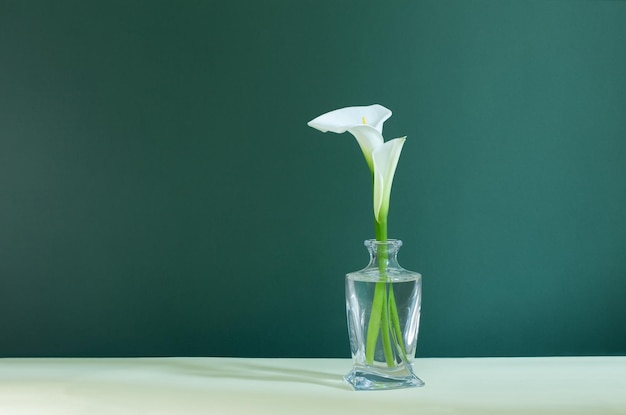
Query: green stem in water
395,322
373,327
384,317
379,318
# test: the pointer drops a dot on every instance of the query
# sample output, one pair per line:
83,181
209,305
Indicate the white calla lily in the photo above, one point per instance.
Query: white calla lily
341,120
365,123
385,158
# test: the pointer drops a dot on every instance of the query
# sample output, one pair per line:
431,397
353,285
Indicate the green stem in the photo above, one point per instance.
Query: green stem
386,336
395,322
373,327
384,317
379,318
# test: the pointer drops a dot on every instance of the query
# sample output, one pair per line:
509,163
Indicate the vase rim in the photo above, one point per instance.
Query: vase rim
389,241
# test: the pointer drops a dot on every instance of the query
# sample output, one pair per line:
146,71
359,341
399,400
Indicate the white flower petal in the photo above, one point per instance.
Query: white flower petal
369,138
385,160
343,119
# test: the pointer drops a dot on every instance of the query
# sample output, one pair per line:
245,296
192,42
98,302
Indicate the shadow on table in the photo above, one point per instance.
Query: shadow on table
253,370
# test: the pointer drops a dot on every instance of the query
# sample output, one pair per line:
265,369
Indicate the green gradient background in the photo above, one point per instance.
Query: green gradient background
161,194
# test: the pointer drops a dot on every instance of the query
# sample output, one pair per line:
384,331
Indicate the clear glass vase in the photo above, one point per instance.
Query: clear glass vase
383,306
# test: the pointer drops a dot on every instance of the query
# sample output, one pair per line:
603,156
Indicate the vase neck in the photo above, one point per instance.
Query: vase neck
383,252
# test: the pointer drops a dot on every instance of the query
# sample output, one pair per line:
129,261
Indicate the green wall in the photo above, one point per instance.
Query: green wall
161,194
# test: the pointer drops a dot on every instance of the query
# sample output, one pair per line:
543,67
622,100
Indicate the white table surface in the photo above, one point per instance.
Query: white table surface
225,386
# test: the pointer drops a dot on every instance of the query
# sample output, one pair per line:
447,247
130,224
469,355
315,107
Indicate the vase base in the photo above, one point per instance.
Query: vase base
363,380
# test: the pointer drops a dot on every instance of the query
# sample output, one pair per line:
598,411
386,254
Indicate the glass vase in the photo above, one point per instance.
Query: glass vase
383,308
